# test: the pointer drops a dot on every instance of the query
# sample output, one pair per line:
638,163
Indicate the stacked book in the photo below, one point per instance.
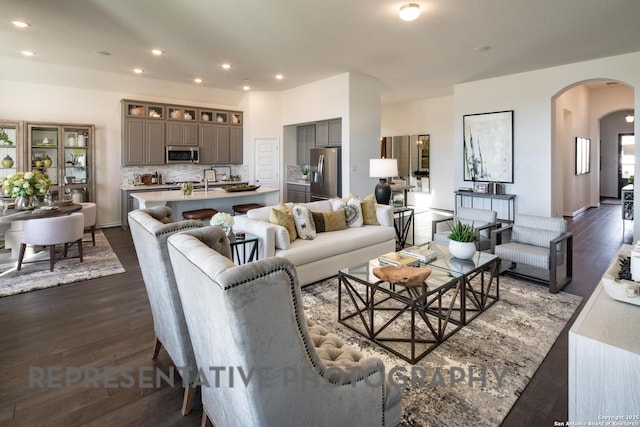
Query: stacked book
398,259
423,253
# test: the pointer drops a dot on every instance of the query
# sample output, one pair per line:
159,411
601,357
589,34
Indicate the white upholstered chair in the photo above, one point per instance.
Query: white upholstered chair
536,246
150,229
483,220
250,318
61,230
89,211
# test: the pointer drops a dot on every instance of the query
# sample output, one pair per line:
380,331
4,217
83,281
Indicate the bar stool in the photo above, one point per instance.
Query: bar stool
243,209
199,214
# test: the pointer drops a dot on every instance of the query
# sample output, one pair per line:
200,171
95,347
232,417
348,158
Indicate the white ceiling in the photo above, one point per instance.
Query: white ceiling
308,40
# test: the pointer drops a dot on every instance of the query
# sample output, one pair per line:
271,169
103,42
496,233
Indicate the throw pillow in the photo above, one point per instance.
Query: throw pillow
282,237
305,226
282,215
352,211
369,210
329,221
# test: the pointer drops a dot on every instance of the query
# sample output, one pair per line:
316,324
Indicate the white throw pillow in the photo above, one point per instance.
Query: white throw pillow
357,221
352,210
305,226
282,237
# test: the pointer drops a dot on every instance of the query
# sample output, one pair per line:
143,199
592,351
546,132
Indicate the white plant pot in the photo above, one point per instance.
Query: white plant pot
462,250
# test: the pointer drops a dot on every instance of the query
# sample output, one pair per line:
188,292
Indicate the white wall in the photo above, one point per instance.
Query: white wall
434,117
530,95
572,120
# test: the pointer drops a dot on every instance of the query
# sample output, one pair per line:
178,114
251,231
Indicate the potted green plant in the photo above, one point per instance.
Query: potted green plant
462,240
305,171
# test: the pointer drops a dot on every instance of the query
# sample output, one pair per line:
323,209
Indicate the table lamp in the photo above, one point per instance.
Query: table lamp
383,169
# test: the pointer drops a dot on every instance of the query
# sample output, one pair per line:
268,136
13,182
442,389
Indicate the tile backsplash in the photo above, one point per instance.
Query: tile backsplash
179,172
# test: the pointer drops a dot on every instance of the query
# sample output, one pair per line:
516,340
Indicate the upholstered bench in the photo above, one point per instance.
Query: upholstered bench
243,209
199,214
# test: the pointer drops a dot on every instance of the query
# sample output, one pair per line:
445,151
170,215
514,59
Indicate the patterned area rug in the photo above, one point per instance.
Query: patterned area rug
98,261
476,376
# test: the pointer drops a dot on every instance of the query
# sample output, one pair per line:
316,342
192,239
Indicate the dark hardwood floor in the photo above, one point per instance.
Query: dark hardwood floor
106,322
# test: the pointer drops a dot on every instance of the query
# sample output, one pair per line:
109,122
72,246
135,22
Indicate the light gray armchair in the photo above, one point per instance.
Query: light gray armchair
483,219
248,326
150,229
536,246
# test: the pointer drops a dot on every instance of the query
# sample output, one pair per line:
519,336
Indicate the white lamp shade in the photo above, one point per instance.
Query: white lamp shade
383,168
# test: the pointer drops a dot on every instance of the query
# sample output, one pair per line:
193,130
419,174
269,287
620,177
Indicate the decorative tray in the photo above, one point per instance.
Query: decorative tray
241,187
620,289
44,209
62,202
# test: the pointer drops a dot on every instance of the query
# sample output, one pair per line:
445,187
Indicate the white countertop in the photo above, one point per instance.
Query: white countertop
215,193
300,182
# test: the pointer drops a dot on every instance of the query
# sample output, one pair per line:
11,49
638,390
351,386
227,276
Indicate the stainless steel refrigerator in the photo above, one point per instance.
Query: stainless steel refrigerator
326,173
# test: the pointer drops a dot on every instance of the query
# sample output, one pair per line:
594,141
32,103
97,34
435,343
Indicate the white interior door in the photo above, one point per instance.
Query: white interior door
267,162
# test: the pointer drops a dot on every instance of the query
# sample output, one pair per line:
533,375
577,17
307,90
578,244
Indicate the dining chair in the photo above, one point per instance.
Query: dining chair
61,230
89,211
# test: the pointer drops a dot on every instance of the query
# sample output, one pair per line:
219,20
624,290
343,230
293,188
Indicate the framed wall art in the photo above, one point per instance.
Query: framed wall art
488,147
583,155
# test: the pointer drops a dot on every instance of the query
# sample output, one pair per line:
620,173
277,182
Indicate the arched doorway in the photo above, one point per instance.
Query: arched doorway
577,111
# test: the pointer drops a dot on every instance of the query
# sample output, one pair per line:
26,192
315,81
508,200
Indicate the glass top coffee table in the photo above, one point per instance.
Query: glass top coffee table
411,321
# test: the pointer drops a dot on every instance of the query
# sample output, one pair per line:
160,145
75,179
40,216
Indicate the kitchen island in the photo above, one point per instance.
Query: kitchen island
216,198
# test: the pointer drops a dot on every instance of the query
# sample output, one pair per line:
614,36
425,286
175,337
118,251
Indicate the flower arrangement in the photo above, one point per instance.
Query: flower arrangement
26,184
223,220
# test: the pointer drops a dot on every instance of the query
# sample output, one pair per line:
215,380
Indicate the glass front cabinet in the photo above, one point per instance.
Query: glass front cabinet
11,148
65,152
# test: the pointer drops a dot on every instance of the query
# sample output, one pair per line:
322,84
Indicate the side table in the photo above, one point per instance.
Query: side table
244,250
403,222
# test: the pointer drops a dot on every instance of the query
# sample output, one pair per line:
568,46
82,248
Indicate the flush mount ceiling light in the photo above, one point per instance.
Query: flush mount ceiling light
157,52
27,53
197,80
279,76
20,24
246,87
629,118
409,11
138,70
226,66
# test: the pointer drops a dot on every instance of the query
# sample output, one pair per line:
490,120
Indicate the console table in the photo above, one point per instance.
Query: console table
604,356
510,198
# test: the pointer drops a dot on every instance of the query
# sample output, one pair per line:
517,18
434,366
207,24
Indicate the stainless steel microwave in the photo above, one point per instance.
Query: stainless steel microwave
178,154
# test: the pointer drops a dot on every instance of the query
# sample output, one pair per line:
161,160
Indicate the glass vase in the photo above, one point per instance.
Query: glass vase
24,203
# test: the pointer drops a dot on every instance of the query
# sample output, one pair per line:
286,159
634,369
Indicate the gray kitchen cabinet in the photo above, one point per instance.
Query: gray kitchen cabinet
143,142
214,144
335,132
147,128
182,133
298,193
306,140
236,145
329,133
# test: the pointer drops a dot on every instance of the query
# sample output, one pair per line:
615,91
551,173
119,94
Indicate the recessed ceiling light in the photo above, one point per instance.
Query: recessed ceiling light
409,11
481,48
226,66
138,70
197,80
20,24
157,52
27,53
246,87
103,53
279,76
